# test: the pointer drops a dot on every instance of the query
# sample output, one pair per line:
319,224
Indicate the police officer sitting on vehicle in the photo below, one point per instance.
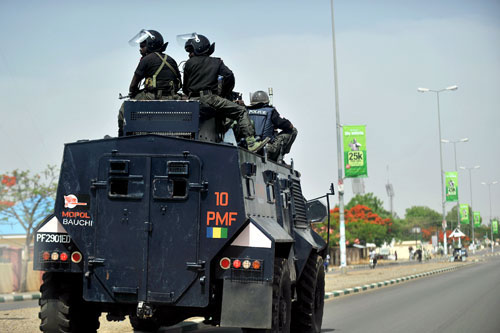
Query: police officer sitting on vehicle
267,121
160,72
201,75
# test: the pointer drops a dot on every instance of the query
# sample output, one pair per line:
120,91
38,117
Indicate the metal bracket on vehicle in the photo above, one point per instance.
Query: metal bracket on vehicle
144,310
203,187
96,261
94,184
196,266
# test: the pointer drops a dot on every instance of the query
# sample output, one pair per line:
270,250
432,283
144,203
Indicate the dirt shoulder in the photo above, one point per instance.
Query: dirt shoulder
355,278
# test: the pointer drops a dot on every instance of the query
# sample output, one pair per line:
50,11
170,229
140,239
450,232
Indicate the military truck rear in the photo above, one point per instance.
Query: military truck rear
162,225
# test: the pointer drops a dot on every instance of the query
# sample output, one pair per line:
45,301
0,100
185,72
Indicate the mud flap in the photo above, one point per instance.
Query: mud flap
247,304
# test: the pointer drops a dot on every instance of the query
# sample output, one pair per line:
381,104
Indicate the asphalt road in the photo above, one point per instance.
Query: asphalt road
465,300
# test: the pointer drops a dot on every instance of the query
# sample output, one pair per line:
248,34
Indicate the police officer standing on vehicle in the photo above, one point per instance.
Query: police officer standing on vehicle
201,76
160,71
267,122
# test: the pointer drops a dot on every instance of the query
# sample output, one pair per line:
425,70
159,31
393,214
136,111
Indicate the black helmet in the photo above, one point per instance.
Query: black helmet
199,45
152,39
259,97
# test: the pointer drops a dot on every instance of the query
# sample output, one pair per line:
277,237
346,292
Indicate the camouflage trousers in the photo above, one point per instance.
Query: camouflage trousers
284,140
227,109
142,96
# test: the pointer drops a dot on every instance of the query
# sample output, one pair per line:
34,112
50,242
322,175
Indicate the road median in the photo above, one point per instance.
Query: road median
357,282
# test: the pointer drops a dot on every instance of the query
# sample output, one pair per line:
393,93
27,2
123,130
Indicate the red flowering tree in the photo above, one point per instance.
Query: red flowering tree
361,223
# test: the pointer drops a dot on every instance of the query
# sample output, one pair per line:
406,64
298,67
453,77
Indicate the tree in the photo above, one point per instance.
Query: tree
371,201
401,229
452,218
423,217
365,225
27,199
361,225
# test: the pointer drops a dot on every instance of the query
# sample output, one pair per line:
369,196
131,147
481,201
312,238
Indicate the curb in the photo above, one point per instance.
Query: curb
16,298
381,284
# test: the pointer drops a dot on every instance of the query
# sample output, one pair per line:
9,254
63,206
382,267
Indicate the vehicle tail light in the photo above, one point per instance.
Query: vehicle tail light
76,257
54,256
247,264
256,264
236,263
225,263
63,256
46,255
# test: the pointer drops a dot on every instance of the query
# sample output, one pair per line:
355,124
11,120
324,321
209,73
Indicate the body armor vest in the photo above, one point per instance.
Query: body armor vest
261,118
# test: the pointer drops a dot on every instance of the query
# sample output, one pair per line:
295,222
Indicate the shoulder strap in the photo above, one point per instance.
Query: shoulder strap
163,63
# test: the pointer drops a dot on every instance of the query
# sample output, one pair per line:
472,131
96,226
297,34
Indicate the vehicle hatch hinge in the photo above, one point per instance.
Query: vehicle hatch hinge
196,266
94,183
93,261
203,187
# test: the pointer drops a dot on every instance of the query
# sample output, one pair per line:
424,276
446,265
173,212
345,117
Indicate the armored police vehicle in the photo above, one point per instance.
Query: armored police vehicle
168,222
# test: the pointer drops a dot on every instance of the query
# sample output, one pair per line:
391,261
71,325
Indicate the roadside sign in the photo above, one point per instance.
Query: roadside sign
477,219
355,163
451,186
464,213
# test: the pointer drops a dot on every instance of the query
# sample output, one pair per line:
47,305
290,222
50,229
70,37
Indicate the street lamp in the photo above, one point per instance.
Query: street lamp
472,210
456,169
343,250
423,90
491,224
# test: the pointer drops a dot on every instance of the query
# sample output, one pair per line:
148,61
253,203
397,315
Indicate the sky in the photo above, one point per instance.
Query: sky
63,64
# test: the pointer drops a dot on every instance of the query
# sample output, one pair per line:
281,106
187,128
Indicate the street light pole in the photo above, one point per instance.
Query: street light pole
491,223
422,90
343,263
456,169
471,205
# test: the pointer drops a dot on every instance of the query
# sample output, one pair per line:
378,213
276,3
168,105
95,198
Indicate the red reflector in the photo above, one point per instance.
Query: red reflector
76,257
236,263
225,263
46,255
63,256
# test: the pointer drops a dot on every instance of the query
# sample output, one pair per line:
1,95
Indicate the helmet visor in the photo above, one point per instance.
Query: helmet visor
140,37
182,39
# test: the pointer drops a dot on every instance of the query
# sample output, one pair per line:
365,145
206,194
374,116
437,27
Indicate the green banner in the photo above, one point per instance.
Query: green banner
355,164
451,186
464,213
477,219
495,226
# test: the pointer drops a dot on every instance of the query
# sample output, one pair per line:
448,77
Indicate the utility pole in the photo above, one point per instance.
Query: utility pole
443,200
491,223
390,193
343,263
471,205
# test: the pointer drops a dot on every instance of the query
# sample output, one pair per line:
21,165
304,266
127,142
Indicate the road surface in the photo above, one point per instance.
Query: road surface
465,300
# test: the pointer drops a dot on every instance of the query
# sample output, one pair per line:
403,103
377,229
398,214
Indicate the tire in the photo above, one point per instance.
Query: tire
282,300
307,310
62,308
144,325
